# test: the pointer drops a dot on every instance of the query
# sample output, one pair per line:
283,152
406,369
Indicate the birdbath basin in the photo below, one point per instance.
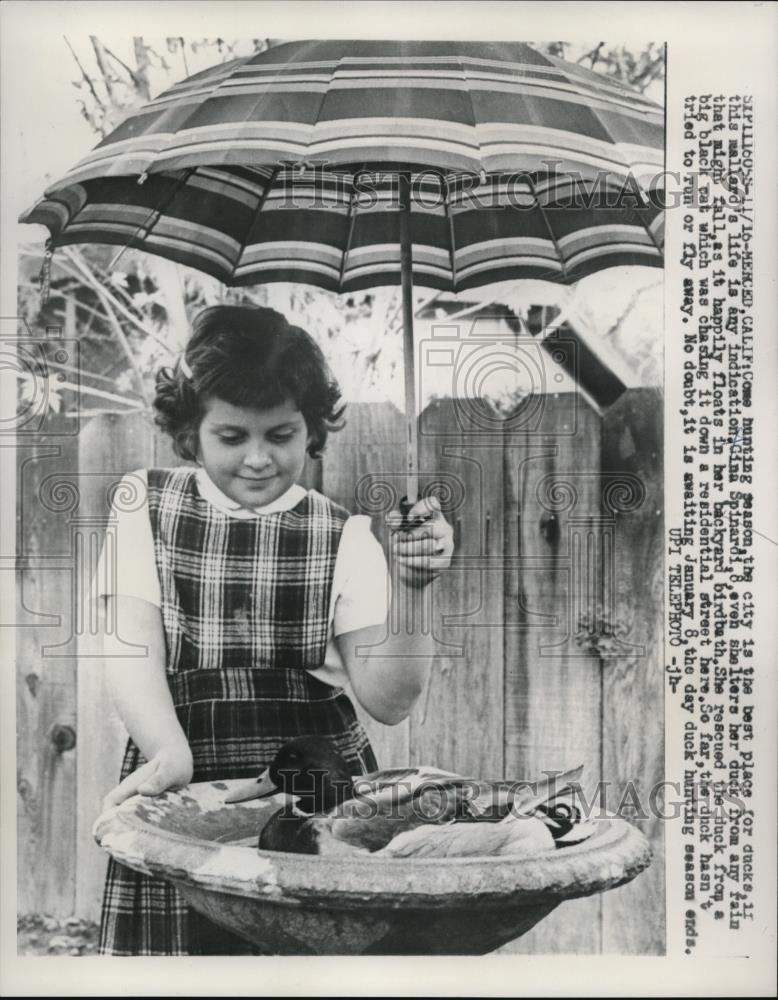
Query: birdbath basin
294,904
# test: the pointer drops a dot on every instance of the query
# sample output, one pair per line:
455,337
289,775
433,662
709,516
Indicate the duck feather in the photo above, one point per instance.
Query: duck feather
515,836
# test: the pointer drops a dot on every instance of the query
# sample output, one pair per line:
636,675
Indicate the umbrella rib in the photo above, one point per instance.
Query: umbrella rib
473,116
451,244
596,114
154,215
260,205
233,66
548,226
650,234
352,218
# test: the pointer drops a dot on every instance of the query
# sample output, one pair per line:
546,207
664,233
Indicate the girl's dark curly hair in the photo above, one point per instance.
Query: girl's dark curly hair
250,357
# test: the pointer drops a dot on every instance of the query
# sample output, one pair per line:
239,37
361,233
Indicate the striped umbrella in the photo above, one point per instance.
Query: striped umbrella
349,165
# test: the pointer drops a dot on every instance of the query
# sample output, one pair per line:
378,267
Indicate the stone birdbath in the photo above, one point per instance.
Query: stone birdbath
293,904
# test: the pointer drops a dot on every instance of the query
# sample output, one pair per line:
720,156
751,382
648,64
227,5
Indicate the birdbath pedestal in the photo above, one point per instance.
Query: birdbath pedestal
294,904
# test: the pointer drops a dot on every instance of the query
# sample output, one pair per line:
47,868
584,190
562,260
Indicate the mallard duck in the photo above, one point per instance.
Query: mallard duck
406,812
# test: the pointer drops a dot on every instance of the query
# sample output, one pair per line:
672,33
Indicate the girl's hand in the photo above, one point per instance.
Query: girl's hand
424,550
170,768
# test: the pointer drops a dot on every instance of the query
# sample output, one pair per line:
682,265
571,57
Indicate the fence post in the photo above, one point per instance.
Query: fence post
633,687
553,710
110,447
363,470
45,670
457,722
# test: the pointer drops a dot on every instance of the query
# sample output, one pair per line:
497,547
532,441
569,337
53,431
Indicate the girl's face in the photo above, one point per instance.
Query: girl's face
253,456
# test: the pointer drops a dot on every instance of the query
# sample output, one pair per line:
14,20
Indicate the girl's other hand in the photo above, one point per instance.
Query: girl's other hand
424,549
170,768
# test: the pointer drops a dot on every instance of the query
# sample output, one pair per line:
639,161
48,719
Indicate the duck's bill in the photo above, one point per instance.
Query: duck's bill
252,788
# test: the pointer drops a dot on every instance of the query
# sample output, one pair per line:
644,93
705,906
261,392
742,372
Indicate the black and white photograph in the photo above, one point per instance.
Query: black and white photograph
380,531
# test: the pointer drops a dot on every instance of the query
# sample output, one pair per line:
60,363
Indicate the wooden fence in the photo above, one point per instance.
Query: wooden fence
548,626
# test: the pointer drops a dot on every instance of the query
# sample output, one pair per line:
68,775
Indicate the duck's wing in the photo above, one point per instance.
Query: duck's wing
495,799
548,788
522,836
367,835
410,777
389,774
400,785
370,823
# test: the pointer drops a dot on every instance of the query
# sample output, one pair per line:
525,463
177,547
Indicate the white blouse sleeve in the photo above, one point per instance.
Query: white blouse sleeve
126,565
361,584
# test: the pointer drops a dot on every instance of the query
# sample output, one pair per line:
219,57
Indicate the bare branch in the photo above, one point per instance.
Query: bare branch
98,50
133,404
120,336
182,45
649,73
131,73
142,62
593,56
100,411
96,286
86,76
616,324
81,371
394,315
161,61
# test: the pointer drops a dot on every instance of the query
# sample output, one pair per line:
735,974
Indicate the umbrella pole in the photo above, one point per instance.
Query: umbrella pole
406,274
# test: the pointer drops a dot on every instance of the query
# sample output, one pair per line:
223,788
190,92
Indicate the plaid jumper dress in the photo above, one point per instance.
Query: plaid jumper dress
245,607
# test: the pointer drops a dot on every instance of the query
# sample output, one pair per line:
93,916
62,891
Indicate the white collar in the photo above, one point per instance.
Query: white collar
211,492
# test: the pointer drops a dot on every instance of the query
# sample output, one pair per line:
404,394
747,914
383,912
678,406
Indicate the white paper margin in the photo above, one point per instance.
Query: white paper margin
712,47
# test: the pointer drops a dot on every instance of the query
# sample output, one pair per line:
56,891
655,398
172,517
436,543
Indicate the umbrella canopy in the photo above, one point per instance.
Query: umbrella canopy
350,164
526,130
464,106
341,231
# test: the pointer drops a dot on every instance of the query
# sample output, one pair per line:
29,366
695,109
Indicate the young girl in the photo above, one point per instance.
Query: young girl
247,596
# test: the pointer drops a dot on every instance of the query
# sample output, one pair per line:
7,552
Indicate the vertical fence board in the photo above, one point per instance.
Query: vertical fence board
164,457
465,689
633,690
110,447
311,478
553,711
45,679
362,470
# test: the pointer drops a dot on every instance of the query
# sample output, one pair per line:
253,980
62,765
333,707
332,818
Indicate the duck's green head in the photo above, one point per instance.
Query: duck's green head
310,769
